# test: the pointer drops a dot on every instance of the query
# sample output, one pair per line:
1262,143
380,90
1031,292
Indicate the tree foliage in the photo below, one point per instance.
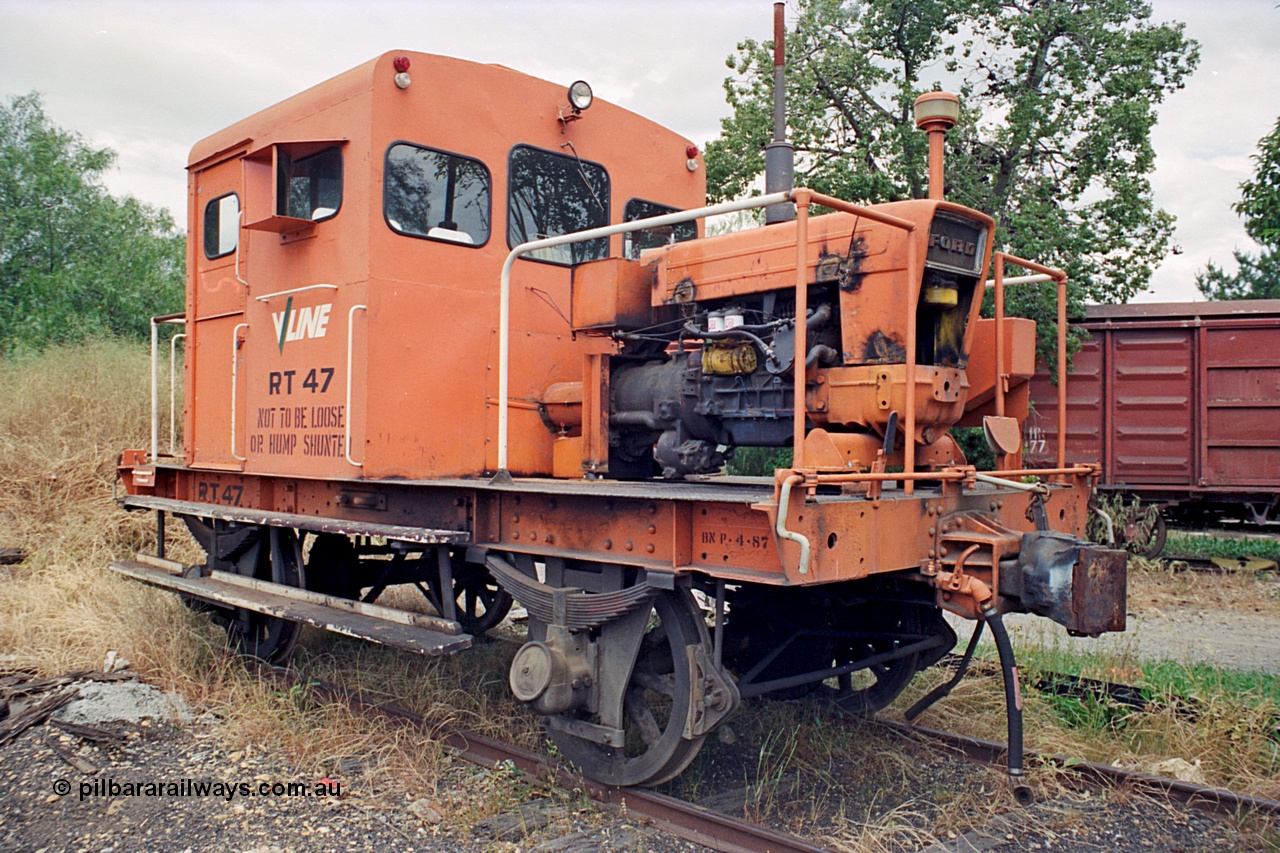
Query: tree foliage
74,260
1058,101
1257,276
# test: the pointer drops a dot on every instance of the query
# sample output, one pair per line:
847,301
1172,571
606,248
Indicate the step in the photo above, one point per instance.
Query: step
401,629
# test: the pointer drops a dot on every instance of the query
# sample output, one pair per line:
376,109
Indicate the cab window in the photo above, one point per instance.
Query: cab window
221,226
436,195
310,187
635,242
551,194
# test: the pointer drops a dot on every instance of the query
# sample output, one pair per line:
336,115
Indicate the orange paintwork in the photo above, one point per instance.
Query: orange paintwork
324,352
420,316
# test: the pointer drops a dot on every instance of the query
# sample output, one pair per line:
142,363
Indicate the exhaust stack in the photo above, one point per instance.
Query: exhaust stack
779,155
936,113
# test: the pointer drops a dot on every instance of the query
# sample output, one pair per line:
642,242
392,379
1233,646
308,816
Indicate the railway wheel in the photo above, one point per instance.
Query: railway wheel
1145,531
333,566
656,703
865,692
481,602
269,638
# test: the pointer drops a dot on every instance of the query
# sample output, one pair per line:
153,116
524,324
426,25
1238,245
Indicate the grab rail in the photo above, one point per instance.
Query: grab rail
235,336
351,319
294,290
1042,273
177,319
173,390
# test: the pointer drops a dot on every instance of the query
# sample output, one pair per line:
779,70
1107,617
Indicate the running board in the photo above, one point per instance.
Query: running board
401,629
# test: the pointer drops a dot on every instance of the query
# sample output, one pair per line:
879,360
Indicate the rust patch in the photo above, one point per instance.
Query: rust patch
851,276
882,349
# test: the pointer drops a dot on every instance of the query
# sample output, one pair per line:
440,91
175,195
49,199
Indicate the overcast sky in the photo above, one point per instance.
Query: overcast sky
150,78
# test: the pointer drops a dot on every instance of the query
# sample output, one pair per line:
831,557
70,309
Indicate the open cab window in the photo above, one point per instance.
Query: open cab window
290,186
310,187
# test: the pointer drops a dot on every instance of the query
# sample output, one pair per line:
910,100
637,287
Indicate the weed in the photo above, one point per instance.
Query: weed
1232,547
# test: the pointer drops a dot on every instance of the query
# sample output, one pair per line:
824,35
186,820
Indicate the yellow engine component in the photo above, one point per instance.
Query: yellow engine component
728,359
943,296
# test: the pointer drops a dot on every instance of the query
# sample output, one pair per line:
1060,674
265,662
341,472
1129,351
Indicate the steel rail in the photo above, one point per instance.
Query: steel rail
1206,798
713,830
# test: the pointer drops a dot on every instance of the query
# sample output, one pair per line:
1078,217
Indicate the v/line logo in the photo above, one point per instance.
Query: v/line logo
305,323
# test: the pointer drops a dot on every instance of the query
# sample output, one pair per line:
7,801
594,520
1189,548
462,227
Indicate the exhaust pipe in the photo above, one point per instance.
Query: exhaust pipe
779,155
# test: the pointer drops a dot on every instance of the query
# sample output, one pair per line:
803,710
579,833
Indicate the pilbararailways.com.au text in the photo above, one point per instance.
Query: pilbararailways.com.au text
109,787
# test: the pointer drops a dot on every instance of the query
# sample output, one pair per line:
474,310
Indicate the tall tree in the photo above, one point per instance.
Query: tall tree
1059,98
74,260
1257,276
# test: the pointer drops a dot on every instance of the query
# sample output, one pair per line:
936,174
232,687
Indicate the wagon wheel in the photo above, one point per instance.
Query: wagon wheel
1144,531
257,635
481,602
866,692
333,566
656,704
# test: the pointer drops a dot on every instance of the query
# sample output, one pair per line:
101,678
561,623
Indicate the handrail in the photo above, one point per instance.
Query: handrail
351,317
780,526
1043,273
173,390
240,232
177,319
235,336
291,291
504,305
802,284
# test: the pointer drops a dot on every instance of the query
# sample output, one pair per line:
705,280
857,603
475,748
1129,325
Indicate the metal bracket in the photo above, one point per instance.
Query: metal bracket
714,695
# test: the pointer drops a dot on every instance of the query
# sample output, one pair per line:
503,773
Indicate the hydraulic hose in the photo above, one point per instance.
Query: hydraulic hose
1013,704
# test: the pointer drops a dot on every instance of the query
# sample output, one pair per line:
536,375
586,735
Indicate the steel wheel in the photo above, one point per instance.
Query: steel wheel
270,638
333,566
481,602
868,691
656,704
1145,531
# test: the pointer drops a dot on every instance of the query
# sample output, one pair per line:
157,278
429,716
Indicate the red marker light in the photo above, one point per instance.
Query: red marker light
691,152
401,64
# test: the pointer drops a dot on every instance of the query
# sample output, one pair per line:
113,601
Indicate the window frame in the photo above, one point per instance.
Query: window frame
608,206
488,173
204,225
286,163
669,209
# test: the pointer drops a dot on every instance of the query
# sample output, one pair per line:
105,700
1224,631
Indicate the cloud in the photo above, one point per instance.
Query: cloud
151,78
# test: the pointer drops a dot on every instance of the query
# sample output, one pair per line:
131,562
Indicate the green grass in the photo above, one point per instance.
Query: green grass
1218,546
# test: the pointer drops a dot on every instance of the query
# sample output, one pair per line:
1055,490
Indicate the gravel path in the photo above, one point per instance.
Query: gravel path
99,813
1224,638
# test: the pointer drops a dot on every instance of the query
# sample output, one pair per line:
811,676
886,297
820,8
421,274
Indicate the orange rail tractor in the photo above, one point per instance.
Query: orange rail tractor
449,326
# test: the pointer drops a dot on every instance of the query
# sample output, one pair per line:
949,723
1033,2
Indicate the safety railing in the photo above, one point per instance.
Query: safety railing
803,199
1041,273
504,305
178,319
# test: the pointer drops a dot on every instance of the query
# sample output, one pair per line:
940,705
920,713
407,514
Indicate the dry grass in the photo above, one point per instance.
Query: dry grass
65,415
1234,738
1164,584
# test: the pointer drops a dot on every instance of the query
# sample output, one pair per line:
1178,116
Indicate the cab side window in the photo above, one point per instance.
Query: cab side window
310,187
635,242
436,195
221,226
551,194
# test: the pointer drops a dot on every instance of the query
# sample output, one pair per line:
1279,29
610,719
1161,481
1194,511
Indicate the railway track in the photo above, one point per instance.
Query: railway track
721,832
685,820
